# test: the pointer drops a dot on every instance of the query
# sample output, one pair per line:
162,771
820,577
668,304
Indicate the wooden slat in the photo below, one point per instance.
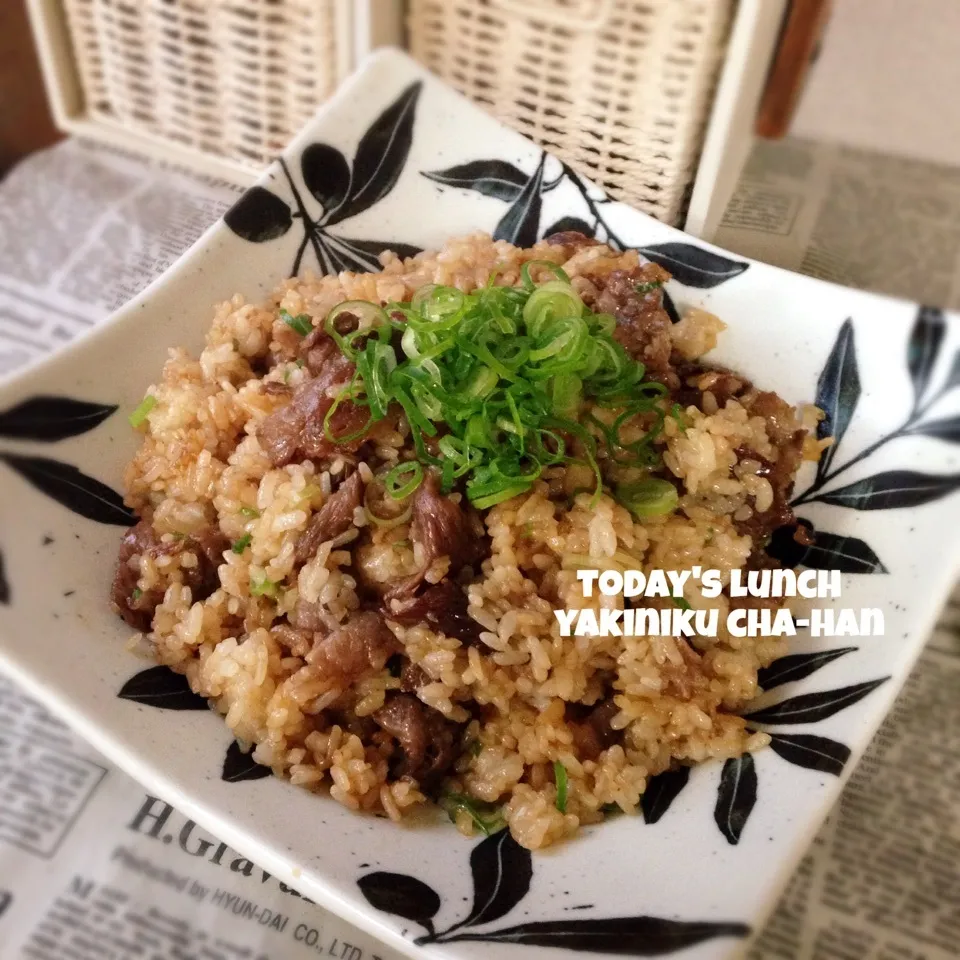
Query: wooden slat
802,30
25,122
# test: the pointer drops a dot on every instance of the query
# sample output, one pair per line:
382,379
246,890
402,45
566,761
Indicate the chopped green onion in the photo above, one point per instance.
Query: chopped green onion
262,587
682,603
560,779
250,512
398,487
499,378
648,287
242,543
554,268
651,497
139,415
677,413
387,523
301,323
136,595
486,817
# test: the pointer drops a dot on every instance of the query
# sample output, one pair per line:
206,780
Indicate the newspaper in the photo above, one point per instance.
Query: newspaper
86,871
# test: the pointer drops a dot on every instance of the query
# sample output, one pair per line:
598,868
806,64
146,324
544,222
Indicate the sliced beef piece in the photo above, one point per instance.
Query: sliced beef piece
316,350
426,738
783,432
643,327
593,734
308,616
442,608
412,677
333,518
444,529
685,680
296,430
137,609
571,241
362,645
209,546
297,642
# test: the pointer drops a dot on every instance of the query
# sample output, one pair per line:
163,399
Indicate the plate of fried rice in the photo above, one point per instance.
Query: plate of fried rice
296,532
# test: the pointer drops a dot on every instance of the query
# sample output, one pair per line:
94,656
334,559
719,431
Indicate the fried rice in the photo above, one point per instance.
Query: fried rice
269,579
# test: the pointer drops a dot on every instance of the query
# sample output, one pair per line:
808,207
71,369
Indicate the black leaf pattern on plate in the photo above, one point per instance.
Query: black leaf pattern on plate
947,429
838,391
4,583
797,666
953,377
923,348
48,419
568,224
238,765
502,871
326,174
630,936
670,307
72,489
892,490
340,190
492,178
520,225
813,707
829,551
6,898
363,255
661,791
736,796
812,752
401,895
381,155
259,216
694,266
161,687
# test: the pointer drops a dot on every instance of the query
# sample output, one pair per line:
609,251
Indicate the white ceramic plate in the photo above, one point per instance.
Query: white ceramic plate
398,160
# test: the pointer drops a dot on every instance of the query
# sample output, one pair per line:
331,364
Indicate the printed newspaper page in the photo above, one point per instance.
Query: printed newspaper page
91,867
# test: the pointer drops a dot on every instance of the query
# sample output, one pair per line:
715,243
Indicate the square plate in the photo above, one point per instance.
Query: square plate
397,160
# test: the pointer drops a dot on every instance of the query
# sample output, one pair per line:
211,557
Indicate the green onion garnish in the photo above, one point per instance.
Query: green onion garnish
486,817
403,479
136,595
682,603
242,543
301,323
560,779
651,497
250,512
648,287
262,587
493,384
139,415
